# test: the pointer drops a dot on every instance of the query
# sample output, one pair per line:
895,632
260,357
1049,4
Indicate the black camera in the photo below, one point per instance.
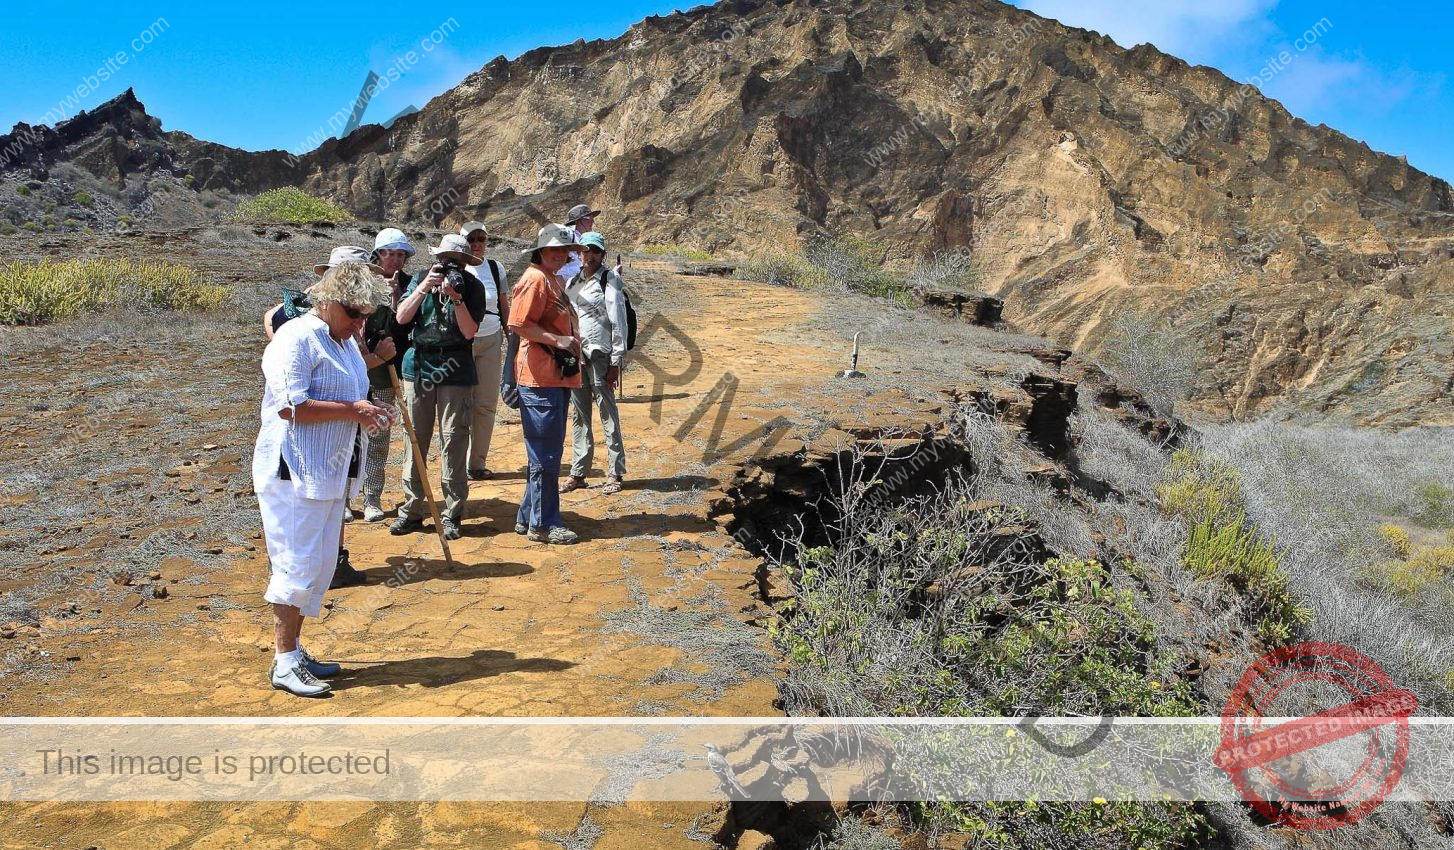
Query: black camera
567,363
454,274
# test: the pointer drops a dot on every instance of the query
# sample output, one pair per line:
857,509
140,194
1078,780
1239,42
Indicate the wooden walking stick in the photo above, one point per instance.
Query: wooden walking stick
419,464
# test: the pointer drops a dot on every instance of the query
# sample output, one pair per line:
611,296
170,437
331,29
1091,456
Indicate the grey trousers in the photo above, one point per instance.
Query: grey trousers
451,407
583,448
377,463
488,353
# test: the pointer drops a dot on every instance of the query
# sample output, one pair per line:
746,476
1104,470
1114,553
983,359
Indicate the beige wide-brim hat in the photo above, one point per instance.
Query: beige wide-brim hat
552,236
452,246
348,254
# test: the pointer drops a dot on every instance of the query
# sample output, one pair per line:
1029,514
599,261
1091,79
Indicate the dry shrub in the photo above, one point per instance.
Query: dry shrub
32,294
1153,357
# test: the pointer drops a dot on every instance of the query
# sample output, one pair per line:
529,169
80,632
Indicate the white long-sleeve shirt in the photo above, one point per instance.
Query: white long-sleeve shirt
600,301
305,362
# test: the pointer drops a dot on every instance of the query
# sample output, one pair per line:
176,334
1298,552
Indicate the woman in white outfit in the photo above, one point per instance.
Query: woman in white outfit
315,417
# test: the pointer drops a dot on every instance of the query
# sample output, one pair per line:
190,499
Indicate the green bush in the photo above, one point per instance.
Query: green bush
1398,540
188,181
1240,557
8,230
290,205
1415,572
1065,636
1207,493
1201,488
84,199
23,190
32,226
37,293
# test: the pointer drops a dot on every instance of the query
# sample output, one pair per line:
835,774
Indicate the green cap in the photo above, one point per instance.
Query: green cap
593,240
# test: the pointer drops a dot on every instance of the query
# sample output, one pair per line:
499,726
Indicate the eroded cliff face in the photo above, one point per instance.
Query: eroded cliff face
1088,180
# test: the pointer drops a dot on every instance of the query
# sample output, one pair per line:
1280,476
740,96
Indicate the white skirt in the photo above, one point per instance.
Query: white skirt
302,536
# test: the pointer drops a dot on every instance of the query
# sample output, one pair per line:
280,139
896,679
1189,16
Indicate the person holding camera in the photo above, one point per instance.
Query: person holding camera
385,342
316,418
443,311
600,300
547,369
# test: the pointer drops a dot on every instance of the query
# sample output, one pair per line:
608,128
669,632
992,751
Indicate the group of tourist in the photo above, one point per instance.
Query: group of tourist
458,339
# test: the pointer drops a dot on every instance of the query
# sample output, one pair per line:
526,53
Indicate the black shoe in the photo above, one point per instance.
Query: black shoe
451,528
406,525
346,576
481,474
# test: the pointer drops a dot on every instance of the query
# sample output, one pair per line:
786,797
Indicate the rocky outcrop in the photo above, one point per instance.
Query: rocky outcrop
1089,180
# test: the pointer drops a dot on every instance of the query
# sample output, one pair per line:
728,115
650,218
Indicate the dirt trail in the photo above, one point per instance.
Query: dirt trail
611,626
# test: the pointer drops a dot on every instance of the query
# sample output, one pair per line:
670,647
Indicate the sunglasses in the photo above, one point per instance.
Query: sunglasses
353,312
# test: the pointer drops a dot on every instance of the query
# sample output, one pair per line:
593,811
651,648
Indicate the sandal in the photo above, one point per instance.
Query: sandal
613,485
573,484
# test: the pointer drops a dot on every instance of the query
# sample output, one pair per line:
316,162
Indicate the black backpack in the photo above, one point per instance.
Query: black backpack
630,311
630,320
499,291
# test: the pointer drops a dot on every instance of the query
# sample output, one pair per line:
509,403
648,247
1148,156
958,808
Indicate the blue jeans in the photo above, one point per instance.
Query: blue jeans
543,418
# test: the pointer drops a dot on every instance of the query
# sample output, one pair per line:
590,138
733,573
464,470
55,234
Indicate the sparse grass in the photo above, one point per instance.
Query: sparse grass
1435,505
37,293
676,251
1321,494
290,205
840,263
22,190
84,199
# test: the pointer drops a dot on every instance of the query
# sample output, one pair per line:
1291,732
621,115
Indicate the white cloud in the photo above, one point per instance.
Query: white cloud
1318,86
1191,29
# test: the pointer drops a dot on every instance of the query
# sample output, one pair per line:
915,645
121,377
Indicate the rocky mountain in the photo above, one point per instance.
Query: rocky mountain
1087,182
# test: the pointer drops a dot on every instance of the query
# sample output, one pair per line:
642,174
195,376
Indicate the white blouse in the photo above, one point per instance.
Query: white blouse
305,362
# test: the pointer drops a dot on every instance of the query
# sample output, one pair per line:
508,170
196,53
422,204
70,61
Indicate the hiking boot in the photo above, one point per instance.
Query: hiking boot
373,512
522,528
451,529
481,474
321,669
559,535
406,525
297,681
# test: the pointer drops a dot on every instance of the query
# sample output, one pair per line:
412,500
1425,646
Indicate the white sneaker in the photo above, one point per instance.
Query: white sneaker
373,513
297,681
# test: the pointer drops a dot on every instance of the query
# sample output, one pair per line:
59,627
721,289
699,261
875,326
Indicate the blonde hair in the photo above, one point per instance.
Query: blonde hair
350,284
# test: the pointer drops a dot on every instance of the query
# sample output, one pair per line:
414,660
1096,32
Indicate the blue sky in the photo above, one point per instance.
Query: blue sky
261,75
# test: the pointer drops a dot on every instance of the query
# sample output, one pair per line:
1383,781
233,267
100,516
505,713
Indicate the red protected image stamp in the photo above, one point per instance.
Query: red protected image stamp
1323,770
